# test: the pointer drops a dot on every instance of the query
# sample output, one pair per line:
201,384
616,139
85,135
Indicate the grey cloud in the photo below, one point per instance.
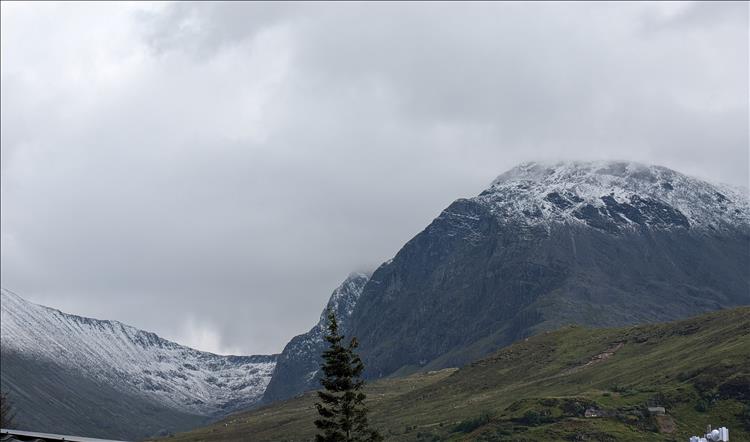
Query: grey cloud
203,28
702,15
226,164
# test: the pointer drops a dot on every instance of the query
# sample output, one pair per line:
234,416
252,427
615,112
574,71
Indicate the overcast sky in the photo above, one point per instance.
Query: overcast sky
212,171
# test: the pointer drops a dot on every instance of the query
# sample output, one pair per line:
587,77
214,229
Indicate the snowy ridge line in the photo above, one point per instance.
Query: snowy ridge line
133,360
621,193
298,364
342,303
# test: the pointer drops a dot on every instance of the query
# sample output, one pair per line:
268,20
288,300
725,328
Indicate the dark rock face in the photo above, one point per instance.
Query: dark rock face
558,200
639,211
297,368
469,284
463,278
598,244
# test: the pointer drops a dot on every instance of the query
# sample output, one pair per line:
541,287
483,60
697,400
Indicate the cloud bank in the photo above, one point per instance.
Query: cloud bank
211,171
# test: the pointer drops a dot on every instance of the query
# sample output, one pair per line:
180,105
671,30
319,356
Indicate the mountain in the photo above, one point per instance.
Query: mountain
298,365
595,243
540,388
74,375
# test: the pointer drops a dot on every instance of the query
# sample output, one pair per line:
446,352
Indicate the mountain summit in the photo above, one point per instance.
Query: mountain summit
614,196
594,243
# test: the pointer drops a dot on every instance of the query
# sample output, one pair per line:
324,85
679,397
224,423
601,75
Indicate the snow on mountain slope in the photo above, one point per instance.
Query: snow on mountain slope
133,360
342,303
613,195
299,363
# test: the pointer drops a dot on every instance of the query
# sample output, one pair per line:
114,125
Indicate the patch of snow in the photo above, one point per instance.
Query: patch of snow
342,303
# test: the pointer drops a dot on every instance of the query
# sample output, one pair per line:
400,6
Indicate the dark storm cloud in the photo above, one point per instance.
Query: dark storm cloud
211,171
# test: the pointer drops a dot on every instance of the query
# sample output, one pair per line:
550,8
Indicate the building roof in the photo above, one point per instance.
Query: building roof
30,436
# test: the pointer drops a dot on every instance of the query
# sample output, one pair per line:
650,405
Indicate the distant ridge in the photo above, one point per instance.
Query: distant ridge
132,377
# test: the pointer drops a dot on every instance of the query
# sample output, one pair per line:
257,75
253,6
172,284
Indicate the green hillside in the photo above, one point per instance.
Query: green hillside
539,390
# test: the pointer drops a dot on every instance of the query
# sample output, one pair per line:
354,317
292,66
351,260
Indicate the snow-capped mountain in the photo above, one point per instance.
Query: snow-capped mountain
594,243
298,364
614,196
130,361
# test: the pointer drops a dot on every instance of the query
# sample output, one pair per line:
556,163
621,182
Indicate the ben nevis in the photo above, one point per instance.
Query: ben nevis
602,244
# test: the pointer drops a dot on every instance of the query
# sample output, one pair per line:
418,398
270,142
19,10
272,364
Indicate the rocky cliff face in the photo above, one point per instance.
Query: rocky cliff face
598,243
298,365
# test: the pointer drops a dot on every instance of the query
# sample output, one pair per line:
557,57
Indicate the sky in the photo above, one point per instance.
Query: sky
212,171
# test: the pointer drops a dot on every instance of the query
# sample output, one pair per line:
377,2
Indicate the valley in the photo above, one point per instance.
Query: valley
543,388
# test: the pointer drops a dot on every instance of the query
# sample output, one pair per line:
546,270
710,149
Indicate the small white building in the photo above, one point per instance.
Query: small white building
717,435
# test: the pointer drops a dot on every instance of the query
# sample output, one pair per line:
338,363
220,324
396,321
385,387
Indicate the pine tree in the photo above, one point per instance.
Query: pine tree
7,413
343,415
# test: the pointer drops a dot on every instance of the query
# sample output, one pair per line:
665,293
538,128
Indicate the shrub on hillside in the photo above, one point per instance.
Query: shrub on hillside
469,425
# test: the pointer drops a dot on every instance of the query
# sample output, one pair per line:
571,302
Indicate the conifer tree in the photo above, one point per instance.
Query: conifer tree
7,413
343,415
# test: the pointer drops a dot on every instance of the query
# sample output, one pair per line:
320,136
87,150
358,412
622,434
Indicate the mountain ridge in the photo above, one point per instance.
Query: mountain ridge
153,372
298,365
568,190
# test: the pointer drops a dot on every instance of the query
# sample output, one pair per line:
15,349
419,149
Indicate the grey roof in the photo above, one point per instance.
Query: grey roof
30,436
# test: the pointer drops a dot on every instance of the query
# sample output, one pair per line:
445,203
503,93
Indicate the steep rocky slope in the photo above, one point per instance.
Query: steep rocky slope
601,244
49,358
594,243
297,367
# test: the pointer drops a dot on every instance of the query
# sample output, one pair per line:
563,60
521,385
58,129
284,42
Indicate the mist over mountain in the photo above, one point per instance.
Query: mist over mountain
593,243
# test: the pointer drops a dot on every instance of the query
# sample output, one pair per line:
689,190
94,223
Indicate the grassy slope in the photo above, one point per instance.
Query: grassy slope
538,389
